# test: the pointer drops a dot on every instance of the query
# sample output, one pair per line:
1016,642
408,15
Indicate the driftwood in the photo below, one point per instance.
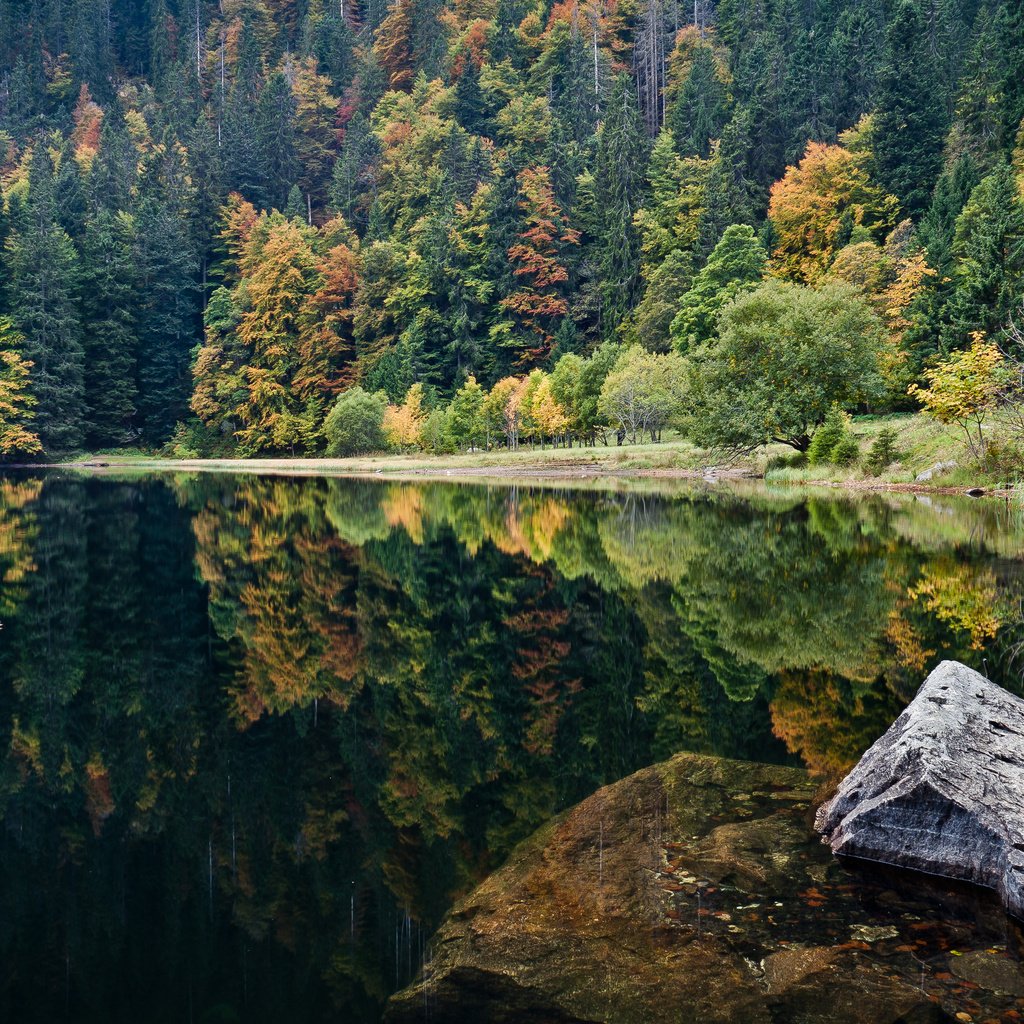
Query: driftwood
943,790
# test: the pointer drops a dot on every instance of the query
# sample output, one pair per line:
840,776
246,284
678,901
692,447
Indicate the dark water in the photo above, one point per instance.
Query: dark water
258,734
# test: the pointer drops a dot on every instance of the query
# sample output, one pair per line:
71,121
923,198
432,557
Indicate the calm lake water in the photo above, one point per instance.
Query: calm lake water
259,733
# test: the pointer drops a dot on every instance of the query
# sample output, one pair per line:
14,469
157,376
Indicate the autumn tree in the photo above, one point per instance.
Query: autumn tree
817,204
963,389
16,400
537,304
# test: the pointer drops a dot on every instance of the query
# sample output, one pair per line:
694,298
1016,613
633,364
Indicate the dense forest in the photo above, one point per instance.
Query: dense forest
219,219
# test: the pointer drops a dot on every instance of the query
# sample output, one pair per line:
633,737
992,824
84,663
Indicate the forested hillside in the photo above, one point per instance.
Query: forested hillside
219,218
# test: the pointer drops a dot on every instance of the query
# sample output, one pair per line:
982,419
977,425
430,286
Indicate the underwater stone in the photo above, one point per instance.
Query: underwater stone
943,790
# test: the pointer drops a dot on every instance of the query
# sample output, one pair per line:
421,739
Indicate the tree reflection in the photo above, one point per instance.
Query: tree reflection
293,720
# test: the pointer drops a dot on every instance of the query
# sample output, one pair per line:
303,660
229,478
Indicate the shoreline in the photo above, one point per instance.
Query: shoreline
527,469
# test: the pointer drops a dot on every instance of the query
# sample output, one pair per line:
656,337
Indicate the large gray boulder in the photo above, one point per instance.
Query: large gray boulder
943,790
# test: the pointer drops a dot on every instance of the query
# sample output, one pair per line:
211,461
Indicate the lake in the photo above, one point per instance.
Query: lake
261,732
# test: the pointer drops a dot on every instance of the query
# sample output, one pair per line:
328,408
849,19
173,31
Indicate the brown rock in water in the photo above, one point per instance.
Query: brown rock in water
943,790
675,895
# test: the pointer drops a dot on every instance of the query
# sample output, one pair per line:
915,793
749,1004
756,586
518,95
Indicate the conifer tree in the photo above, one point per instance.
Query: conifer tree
167,322
109,309
700,110
737,263
618,181
44,267
989,252
911,121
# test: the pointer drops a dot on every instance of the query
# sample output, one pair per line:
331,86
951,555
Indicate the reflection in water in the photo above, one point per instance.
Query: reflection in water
260,733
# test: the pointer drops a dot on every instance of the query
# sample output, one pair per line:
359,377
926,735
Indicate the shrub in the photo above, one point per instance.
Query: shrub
354,426
883,452
846,451
828,437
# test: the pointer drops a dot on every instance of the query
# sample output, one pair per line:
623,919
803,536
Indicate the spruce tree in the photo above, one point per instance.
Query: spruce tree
168,318
989,252
109,312
700,111
620,159
44,269
911,121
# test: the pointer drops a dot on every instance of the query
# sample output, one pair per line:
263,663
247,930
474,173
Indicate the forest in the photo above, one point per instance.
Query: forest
298,226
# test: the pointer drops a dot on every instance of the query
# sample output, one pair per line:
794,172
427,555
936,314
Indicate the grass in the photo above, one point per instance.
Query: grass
922,443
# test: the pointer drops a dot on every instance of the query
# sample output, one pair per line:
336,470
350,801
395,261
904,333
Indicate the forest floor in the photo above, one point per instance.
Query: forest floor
922,443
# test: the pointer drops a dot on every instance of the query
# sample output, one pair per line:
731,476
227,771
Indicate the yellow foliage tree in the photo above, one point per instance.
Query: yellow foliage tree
15,400
964,389
403,424
816,204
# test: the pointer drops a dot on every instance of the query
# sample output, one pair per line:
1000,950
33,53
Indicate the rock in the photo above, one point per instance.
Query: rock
993,971
873,933
649,903
943,790
939,467
789,967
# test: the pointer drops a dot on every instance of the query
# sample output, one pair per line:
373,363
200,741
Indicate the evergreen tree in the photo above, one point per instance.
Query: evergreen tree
989,251
618,181
43,285
700,110
912,118
737,263
167,321
108,313
275,139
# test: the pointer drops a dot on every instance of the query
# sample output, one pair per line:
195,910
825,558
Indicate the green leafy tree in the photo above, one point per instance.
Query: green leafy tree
643,392
737,264
467,414
802,351
355,424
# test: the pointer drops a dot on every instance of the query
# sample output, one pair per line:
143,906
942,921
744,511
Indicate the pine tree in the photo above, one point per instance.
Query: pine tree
989,251
911,122
43,283
168,315
620,158
108,313
737,263
275,139
700,110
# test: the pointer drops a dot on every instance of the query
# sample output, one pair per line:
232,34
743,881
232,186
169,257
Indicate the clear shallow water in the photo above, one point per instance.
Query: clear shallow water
258,734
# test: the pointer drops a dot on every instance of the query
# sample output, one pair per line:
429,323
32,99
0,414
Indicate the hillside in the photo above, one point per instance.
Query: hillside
218,218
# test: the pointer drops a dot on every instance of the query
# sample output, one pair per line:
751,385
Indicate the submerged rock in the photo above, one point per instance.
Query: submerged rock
943,790
695,890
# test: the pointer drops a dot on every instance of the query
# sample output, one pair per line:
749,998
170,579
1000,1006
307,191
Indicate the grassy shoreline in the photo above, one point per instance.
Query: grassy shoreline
922,442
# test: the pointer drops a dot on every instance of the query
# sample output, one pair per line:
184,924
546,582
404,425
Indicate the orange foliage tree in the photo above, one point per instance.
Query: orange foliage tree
537,305
817,204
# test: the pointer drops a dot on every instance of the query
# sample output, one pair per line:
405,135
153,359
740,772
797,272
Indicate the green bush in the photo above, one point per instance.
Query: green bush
354,426
883,452
786,460
828,437
846,451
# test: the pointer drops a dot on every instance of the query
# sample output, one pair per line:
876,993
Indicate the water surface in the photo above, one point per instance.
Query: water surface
259,733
